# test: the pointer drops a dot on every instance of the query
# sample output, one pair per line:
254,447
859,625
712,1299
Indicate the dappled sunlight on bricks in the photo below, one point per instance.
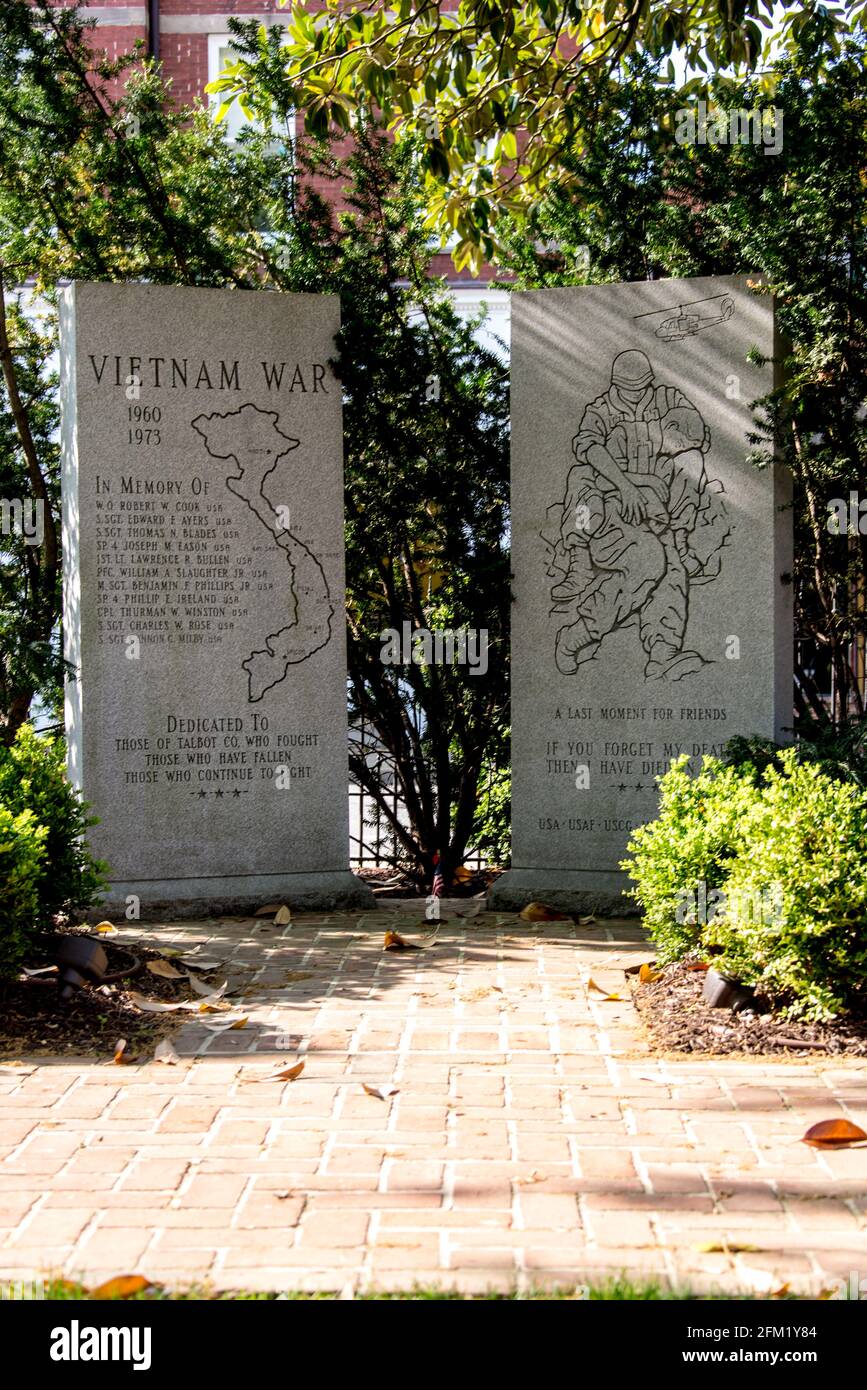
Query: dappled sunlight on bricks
533,1138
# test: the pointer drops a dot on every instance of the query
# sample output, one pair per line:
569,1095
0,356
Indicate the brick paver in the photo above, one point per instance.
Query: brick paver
534,1139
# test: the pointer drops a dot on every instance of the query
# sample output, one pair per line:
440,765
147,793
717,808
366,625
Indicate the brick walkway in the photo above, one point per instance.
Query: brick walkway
533,1140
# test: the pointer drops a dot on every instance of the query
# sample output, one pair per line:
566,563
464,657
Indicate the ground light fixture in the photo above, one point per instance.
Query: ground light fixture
79,959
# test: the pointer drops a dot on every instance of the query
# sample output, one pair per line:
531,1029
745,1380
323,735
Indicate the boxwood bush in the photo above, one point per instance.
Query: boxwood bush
785,850
795,915
22,865
33,778
691,843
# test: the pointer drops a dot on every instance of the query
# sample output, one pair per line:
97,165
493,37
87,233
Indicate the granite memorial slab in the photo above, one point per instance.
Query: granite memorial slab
652,613
202,485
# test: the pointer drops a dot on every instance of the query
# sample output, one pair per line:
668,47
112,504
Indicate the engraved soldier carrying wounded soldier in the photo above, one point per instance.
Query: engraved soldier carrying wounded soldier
641,523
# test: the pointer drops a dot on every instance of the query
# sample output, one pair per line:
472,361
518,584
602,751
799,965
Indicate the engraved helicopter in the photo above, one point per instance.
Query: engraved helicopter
683,324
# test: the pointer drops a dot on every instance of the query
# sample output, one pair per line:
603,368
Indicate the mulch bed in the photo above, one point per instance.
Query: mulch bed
33,1022
678,1020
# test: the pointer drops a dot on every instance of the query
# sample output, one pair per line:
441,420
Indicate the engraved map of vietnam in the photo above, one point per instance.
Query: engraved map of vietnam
250,438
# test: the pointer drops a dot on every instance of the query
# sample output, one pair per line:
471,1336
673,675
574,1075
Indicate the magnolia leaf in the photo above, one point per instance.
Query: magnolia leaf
268,910
541,912
597,989
119,1051
200,964
381,1092
124,1286
164,970
283,916
698,965
287,1074
106,929
724,1247
207,991
155,1006
834,1134
586,921
165,1052
670,1081
647,974
225,1025
395,942
291,1073
42,970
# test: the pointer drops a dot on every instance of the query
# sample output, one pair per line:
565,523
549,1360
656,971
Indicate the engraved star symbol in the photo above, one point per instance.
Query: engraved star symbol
236,791
201,793
219,793
639,786
622,787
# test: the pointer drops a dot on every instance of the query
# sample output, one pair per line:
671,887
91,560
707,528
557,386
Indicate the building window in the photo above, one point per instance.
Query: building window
221,52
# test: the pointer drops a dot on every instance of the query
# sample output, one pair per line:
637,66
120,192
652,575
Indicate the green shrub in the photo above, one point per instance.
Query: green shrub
22,862
795,915
33,778
686,850
766,869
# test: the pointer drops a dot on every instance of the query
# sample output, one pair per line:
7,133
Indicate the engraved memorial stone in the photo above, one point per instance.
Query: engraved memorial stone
650,617
203,564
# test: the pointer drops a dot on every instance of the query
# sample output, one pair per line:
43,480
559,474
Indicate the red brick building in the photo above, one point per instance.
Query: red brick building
191,39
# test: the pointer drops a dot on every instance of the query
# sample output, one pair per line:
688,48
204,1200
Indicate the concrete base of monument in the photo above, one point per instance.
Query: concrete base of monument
568,890
153,899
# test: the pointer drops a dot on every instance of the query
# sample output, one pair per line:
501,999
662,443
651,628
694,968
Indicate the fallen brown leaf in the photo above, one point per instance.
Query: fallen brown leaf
156,1006
165,1052
226,1025
541,912
597,989
282,916
124,1286
164,970
724,1247
395,942
119,1052
647,974
381,1092
834,1134
288,1074
204,989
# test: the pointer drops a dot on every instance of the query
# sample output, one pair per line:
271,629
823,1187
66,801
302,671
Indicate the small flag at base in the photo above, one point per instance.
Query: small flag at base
437,885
